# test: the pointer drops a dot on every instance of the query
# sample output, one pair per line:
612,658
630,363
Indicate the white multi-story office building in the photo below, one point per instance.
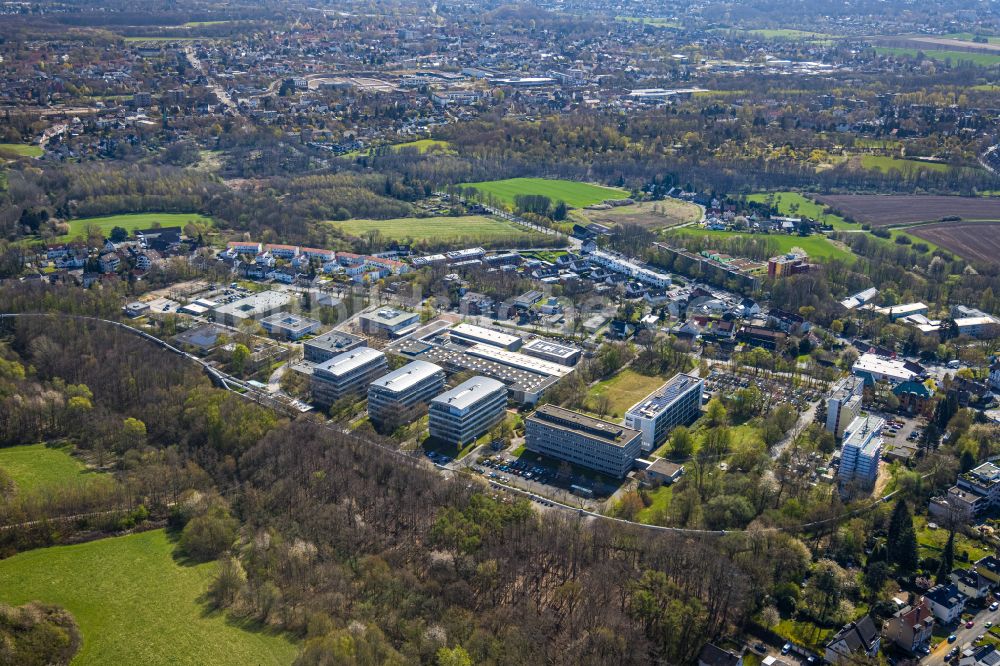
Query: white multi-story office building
678,402
467,411
844,404
399,395
346,374
608,447
862,451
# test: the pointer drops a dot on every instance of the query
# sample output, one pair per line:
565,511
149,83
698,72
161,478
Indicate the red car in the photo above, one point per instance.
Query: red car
968,625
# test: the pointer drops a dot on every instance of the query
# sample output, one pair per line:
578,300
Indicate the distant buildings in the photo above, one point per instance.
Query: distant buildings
784,265
346,374
844,404
582,440
288,326
397,395
618,264
678,402
862,451
974,493
468,411
860,298
389,322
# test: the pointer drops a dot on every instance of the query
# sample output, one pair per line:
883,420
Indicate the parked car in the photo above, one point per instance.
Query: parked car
952,638
786,648
969,624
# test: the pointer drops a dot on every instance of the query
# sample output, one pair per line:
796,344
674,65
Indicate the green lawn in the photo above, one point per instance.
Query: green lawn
645,20
661,500
422,146
968,37
135,604
22,149
132,222
804,633
35,467
816,246
885,164
475,227
981,59
624,389
573,193
789,33
793,204
931,543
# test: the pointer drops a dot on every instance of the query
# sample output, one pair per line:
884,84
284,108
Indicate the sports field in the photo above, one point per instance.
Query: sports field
476,228
136,604
816,246
35,467
132,222
573,193
21,149
794,204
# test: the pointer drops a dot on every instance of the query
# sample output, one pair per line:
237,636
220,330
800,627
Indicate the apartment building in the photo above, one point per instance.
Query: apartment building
467,411
862,451
678,402
844,404
399,396
582,440
346,374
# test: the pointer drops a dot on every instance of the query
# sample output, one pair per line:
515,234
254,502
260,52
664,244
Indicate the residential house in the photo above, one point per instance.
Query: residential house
713,655
910,627
989,568
946,602
855,639
970,583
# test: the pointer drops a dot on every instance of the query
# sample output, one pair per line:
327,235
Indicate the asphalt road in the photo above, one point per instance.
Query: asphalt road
964,636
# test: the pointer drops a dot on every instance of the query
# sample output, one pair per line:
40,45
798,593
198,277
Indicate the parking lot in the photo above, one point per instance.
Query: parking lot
546,477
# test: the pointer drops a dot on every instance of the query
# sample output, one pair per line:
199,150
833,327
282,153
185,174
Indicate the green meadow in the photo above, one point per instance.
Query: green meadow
573,193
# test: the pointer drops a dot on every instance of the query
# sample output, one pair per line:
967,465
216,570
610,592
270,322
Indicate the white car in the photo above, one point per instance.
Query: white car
995,605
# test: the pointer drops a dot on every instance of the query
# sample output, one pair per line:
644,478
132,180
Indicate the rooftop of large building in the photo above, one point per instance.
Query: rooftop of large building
663,397
334,341
289,321
468,393
348,361
389,316
863,433
255,303
485,334
517,360
566,419
550,348
407,376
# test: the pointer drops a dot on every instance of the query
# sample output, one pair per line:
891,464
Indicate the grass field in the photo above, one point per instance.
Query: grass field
794,204
981,59
885,164
816,246
968,37
441,229
804,633
789,33
161,39
21,149
661,502
422,146
35,467
135,604
132,222
573,193
648,214
645,20
624,389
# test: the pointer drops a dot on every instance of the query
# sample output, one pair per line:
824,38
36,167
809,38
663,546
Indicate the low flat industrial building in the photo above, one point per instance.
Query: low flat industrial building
470,334
880,368
389,322
346,374
678,402
552,352
289,326
516,360
254,306
330,344
604,446
468,411
397,397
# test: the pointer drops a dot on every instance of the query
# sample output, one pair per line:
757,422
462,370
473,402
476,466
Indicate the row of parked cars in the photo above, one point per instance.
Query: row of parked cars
517,468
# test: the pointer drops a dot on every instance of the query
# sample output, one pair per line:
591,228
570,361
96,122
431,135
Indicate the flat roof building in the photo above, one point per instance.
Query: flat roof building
389,322
844,404
468,333
607,447
552,352
288,326
254,306
678,402
468,411
330,344
862,451
879,368
894,312
400,396
346,374
517,360
985,327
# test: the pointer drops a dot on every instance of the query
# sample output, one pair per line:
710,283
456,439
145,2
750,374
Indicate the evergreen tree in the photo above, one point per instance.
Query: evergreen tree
967,461
947,559
902,540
